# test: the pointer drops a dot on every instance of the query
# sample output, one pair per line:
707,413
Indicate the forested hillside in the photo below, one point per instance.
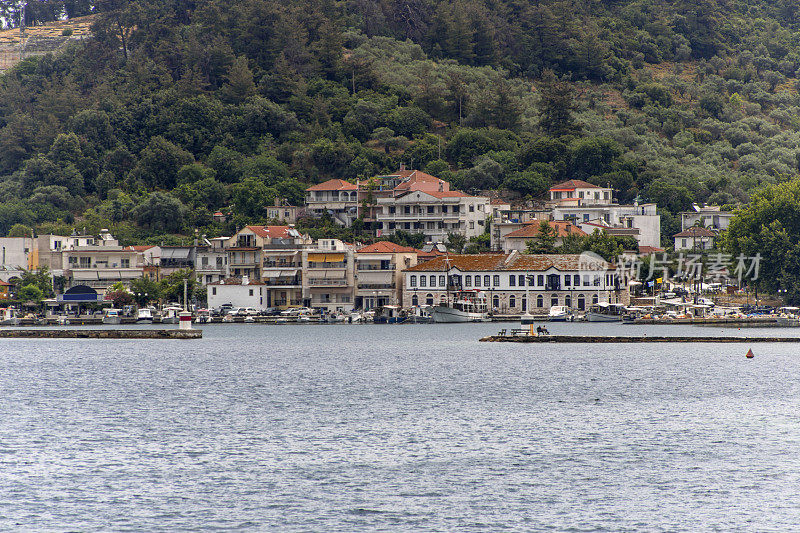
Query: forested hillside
178,108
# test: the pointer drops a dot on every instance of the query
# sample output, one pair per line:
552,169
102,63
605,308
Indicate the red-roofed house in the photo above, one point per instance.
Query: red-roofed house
578,192
695,238
248,249
518,240
379,273
338,198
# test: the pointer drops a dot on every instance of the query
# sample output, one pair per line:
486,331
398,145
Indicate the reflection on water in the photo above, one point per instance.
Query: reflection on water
343,428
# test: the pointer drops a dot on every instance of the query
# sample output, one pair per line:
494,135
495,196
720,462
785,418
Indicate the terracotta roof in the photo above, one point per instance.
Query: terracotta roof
142,248
5,284
237,281
649,249
272,232
696,231
333,185
386,247
218,214
562,228
498,201
414,176
571,185
501,262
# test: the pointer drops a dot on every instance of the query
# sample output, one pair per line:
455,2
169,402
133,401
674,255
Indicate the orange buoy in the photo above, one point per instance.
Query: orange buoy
750,354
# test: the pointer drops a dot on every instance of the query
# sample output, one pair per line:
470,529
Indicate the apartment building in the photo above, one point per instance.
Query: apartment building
246,248
96,262
379,274
515,283
708,216
337,198
328,279
433,213
211,260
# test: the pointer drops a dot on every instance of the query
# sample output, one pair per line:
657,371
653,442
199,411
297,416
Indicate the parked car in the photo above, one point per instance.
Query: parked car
244,311
222,310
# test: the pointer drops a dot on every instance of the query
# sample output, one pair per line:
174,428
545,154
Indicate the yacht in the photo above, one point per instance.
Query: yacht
605,312
559,313
169,315
145,314
464,306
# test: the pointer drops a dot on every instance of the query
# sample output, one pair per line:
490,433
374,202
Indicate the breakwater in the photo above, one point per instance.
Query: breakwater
630,339
101,333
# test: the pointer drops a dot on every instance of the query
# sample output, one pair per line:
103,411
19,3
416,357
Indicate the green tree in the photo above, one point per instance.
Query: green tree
545,240
556,106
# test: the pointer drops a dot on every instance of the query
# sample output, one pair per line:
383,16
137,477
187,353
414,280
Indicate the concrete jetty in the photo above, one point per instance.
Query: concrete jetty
101,333
607,339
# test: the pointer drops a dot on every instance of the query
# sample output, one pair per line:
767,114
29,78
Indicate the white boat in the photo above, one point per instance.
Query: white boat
605,312
112,316
9,317
559,313
465,306
169,315
145,314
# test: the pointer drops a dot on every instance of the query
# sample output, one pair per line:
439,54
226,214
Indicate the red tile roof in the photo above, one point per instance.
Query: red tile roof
571,185
562,228
696,231
271,232
498,201
386,247
333,185
142,248
501,262
649,249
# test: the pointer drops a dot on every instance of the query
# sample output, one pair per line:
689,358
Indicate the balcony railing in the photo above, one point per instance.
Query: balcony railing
282,282
367,268
376,285
321,282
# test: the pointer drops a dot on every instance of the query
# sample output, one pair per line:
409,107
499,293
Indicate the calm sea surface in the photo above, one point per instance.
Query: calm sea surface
398,428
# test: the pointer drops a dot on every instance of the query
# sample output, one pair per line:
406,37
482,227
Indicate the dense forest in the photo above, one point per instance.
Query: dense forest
178,108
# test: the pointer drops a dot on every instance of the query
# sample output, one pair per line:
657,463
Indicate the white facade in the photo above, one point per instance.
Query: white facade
643,217
239,292
434,214
708,217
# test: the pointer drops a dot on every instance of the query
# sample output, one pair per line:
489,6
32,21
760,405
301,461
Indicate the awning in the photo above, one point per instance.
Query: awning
317,258
334,258
271,273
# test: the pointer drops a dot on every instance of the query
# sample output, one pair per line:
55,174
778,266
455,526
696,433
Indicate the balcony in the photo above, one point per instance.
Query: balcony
366,286
373,268
322,282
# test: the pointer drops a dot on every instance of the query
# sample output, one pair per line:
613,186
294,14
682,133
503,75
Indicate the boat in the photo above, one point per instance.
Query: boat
605,312
559,313
465,306
389,314
420,314
203,316
169,315
9,317
112,316
145,314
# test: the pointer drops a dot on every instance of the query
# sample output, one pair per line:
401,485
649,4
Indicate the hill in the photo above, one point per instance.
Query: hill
178,108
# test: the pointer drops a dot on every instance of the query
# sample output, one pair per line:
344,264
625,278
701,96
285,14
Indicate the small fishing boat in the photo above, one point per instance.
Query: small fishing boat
464,306
169,315
388,314
605,312
559,313
112,316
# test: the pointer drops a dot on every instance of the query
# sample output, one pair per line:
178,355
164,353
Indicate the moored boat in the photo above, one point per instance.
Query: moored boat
605,312
465,306
559,313
144,315
112,316
169,315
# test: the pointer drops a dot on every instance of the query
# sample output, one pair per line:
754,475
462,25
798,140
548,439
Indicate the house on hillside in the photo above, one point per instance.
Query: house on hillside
695,239
518,240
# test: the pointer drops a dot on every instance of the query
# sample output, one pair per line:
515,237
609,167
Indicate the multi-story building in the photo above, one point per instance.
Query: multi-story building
696,239
282,211
99,262
337,198
328,279
16,255
578,192
379,273
211,260
515,283
246,248
708,216
433,213
175,258
237,291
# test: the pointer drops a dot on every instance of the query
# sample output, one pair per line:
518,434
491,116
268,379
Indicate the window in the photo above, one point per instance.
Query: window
430,209
414,300
581,302
456,209
477,281
568,301
567,280
412,281
433,281
586,280
597,281
553,300
468,281
471,224
496,280
204,261
251,292
594,299
586,217
496,301
512,301
85,262
471,208
392,210
444,209
683,243
213,291
486,280
125,263
540,281
576,280
539,301
219,262
429,299
423,281
512,280
442,281
522,280
407,210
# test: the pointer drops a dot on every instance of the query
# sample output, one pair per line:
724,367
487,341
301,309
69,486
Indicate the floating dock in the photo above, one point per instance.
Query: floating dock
585,339
101,333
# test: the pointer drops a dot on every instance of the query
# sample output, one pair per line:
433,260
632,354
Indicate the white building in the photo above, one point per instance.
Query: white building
239,292
695,239
578,192
641,217
433,213
709,216
508,280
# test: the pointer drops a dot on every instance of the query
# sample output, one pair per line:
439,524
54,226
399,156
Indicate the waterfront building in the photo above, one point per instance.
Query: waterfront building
508,280
237,291
211,260
328,277
96,262
245,249
379,273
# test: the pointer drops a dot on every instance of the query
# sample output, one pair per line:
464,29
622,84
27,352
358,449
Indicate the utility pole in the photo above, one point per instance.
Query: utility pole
185,292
